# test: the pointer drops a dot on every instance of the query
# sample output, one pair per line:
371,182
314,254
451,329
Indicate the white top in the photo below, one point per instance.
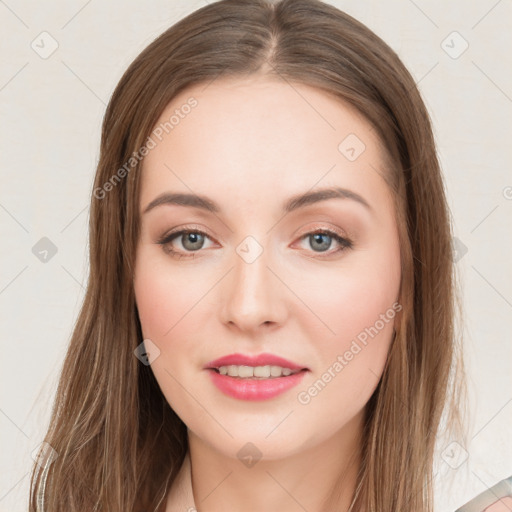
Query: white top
181,496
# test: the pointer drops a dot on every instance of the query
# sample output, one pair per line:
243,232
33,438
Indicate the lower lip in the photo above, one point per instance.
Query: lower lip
255,389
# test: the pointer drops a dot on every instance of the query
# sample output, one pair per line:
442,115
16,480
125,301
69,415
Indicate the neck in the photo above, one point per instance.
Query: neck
321,478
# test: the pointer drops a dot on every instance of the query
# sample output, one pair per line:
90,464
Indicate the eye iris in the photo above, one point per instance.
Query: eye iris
196,239
318,238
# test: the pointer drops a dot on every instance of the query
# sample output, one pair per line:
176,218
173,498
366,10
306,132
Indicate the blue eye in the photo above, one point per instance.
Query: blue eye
322,240
193,240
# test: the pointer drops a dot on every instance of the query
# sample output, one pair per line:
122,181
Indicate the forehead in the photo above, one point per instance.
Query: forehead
258,135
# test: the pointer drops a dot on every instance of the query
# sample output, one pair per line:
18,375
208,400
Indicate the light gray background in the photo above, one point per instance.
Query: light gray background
51,112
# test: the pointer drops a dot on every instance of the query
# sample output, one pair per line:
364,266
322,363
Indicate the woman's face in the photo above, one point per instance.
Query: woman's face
269,275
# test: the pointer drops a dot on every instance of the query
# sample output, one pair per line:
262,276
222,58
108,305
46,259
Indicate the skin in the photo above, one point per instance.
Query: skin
503,505
249,145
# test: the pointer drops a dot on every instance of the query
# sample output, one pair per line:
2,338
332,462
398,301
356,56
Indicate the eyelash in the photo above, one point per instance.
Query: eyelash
165,241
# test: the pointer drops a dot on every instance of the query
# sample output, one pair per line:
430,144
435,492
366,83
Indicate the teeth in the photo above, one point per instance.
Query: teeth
258,372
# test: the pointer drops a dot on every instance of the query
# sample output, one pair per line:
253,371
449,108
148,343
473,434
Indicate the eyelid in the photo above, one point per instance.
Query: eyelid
186,228
325,227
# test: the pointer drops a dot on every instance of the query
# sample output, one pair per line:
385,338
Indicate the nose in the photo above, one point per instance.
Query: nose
253,297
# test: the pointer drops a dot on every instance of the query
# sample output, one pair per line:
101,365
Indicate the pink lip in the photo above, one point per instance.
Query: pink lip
260,360
254,389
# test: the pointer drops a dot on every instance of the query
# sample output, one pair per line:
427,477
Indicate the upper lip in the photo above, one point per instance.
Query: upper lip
259,360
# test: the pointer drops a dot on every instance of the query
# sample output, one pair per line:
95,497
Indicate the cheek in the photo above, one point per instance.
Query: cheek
355,309
168,304
154,302
356,297
164,298
349,366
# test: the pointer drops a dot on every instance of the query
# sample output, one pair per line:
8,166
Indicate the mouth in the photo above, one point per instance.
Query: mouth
256,372
263,365
254,378
255,388
248,377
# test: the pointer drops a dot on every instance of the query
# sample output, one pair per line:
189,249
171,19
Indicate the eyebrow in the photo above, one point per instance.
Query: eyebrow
294,203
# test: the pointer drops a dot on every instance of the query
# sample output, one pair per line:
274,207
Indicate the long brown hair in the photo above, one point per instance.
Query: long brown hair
118,443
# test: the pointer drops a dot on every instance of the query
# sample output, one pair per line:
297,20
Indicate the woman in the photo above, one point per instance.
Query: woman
245,350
